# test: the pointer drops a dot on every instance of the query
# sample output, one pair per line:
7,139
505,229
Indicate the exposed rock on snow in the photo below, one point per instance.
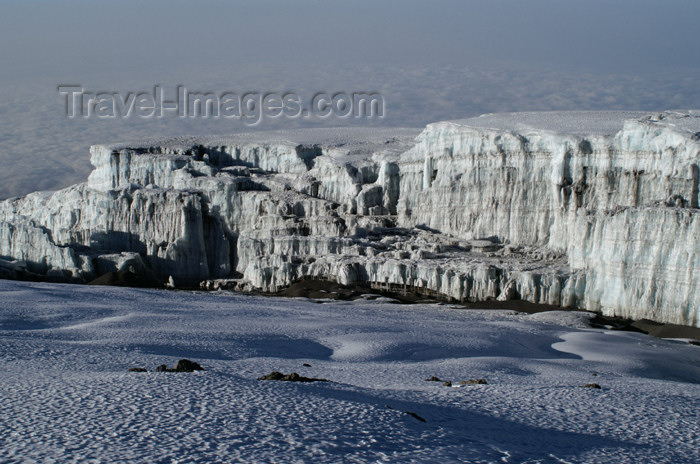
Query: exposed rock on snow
596,210
183,365
293,377
472,382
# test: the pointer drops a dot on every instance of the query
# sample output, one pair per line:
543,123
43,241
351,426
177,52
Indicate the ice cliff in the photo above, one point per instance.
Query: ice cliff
597,210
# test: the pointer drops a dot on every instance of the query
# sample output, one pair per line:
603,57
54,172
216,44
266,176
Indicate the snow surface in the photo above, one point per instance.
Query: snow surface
582,123
67,396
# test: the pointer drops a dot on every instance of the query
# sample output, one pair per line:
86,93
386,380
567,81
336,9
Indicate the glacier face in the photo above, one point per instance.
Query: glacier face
597,210
620,202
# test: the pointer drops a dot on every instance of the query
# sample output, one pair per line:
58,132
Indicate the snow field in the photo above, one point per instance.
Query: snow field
67,396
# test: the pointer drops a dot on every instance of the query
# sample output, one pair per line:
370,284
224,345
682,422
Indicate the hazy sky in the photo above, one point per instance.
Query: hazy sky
431,60
151,36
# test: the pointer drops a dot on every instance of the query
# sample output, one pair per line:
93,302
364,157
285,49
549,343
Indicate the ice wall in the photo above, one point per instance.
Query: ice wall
620,202
592,210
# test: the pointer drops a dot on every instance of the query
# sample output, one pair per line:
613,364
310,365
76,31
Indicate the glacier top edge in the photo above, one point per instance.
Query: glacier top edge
350,138
581,123
368,140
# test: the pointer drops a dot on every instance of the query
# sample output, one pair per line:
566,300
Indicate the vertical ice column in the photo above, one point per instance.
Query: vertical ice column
428,173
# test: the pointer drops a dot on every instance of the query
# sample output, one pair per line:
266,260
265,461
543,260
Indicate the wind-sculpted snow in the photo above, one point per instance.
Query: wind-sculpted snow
65,352
596,210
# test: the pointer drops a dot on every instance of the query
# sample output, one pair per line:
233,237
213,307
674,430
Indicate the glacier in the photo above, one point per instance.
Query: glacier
591,210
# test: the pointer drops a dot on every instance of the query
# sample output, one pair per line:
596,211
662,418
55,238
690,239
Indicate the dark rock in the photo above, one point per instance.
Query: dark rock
185,365
137,369
472,382
416,416
274,375
293,377
433,379
306,365
410,413
447,384
592,385
694,342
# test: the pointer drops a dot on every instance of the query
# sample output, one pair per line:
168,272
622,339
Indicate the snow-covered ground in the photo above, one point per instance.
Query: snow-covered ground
67,395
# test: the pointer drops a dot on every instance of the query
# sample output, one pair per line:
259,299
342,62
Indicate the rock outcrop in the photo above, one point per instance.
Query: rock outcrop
590,210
